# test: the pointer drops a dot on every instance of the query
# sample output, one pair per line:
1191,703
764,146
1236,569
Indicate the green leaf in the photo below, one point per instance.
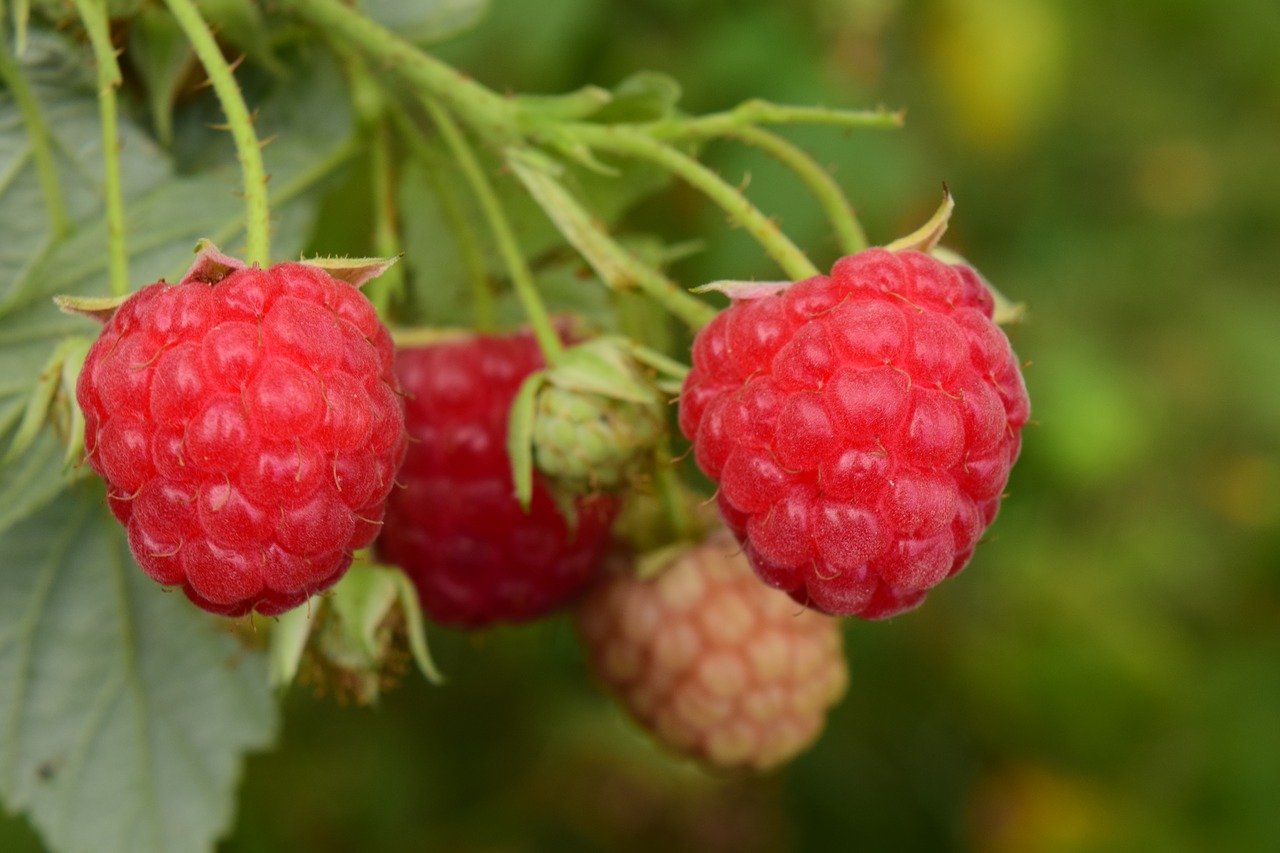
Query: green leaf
601,366
162,56
426,21
643,96
437,273
165,214
31,481
126,712
520,420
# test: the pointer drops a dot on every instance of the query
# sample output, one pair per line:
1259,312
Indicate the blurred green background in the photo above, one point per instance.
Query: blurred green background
1106,674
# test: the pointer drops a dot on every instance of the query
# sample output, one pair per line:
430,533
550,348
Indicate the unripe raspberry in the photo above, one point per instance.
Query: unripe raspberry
718,666
861,427
597,419
456,527
248,425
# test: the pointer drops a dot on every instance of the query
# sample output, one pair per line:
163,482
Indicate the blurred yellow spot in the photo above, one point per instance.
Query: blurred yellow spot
1177,177
1032,809
1000,65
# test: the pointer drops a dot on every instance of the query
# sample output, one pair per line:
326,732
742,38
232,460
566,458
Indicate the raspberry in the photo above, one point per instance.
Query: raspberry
248,427
861,428
597,420
717,665
456,527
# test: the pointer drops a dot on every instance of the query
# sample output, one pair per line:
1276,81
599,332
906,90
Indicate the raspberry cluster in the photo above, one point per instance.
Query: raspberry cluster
717,665
861,428
248,426
456,527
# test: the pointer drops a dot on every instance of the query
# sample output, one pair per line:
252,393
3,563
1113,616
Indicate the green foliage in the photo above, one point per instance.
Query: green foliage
126,713
1102,678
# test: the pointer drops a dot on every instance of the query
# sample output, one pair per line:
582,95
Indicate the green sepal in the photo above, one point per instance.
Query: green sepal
354,271
926,237
642,96
415,626
56,381
520,421
288,641
72,364
572,106
97,308
600,366
1006,310
349,620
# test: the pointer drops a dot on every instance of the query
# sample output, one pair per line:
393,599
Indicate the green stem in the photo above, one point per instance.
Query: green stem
763,112
849,233
41,143
616,266
491,115
93,13
239,122
672,495
386,242
464,236
508,246
631,142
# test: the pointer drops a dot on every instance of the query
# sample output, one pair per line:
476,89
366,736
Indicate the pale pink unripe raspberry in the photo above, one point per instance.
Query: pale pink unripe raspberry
718,666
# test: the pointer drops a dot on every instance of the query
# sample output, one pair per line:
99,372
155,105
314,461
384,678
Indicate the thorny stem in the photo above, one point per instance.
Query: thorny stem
630,142
616,266
385,240
763,112
40,143
239,122
491,115
508,246
93,13
840,213
451,209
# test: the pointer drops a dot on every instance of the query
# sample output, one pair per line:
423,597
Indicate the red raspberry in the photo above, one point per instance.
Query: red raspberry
248,426
717,665
456,527
861,428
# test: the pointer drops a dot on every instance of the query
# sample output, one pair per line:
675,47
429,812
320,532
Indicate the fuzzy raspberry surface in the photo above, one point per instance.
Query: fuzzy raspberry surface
456,527
249,427
861,428
718,666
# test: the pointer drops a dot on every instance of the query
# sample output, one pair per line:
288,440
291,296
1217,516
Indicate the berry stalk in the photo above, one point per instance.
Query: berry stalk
840,213
239,122
633,143
464,236
508,246
490,114
619,268
93,13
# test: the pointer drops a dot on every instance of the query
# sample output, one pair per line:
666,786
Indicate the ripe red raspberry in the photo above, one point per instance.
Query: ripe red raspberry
861,427
248,426
717,665
456,527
